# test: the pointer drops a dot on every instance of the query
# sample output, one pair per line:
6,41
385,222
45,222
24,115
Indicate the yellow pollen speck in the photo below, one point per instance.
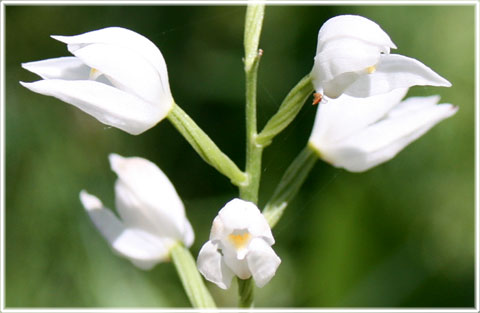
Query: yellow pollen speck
371,69
94,73
239,241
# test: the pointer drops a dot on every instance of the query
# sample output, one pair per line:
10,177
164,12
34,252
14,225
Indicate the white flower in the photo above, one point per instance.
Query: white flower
239,245
116,75
152,214
360,133
353,57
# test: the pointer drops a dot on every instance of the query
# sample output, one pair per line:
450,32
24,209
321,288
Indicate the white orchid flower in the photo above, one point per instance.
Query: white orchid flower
240,244
360,133
353,57
152,214
116,75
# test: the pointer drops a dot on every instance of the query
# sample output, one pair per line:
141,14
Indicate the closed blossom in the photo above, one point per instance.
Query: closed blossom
152,215
116,75
353,57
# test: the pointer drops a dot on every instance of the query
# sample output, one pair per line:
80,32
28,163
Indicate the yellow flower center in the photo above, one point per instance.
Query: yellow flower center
239,240
94,73
371,69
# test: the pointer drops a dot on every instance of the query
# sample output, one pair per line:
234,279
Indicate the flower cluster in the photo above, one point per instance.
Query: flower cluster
120,78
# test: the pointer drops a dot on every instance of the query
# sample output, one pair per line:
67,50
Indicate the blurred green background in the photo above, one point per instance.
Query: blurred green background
399,235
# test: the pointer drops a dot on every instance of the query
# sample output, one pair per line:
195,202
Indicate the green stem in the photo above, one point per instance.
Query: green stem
288,110
253,28
254,152
245,292
287,189
249,191
205,147
192,282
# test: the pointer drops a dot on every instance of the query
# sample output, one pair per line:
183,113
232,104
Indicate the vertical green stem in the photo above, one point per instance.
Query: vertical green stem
245,292
287,189
253,28
196,290
249,191
254,152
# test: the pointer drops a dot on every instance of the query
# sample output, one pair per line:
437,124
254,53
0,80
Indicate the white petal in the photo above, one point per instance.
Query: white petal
126,70
241,215
334,88
339,118
395,71
212,267
353,26
262,262
143,249
146,198
107,104
412,105
188,234
383,140
342,56
238,266
69,68
121,37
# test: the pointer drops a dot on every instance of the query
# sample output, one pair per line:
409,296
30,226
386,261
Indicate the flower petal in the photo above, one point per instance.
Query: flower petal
353,26
339,118
395,71
243,215
212,266
342,56
126,70
382,141
146,199
238,266
412,105
120,37
188,234
107,104
69,68
141,248
262,262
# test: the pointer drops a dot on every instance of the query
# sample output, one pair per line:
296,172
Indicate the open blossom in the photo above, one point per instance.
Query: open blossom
152,216
240,244
116,75
360,133
353,57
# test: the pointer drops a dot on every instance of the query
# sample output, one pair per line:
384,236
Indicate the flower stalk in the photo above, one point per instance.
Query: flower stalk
249,191
289,185
205,147
192,282
288,110
253,27
245,292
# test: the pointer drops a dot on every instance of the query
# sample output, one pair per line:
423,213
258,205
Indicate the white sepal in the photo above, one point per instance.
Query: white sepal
262,261
211,264
109,105
395,71
141,248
